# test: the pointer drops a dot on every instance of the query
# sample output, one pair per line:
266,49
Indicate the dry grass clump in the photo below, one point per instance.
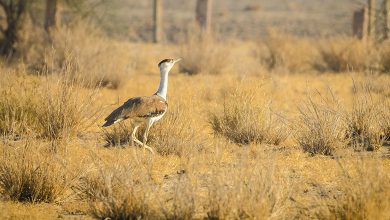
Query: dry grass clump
31,173
245,190
53,108
384,52
204,53
344,54
96,60
365,122
118,191
63,110
365,191
321,127
17,112
245,120
282,51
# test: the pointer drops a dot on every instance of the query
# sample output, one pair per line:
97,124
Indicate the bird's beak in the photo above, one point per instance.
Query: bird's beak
177,60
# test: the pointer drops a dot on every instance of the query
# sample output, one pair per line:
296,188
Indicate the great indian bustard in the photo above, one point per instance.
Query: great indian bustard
146,109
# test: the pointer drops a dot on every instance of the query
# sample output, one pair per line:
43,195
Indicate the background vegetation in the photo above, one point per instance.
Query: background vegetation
278,113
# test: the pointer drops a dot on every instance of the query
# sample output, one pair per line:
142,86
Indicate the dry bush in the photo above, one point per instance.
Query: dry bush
30,173
118,191
96,60
203,53
181,201
365,127
53,108
321,127
283,51
384,53
63,110
245,120
344,54
245,190
364,186
17,112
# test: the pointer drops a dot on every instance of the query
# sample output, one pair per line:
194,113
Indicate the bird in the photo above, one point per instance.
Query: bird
145,109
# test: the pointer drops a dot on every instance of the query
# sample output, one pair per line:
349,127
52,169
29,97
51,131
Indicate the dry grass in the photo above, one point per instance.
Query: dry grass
53,108
30,173
17,114
321,126
364,191
344,54
283,52
365,120
63,110
118,192
94,60
245,120
204,53
196,174
245,190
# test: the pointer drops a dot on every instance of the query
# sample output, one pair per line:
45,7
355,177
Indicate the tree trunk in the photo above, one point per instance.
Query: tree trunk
157,21
387,19
371,4
14,11
203,14
51,15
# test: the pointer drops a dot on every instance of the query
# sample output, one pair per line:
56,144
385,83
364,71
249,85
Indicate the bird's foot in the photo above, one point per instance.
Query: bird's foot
148,148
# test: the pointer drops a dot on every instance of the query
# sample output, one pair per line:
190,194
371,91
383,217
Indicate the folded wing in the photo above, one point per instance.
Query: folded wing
138,107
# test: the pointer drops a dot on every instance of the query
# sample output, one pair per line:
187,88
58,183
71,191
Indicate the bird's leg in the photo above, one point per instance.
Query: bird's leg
145,138
133,137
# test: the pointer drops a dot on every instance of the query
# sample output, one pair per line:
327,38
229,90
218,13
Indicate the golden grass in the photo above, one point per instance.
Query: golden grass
244,120
321,126
204,53
29,173
197,174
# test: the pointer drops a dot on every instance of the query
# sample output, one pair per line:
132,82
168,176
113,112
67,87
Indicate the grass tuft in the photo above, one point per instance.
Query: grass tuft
244,121
31,174
321,127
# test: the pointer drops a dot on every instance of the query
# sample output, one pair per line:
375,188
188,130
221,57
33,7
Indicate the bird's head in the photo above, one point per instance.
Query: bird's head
167,64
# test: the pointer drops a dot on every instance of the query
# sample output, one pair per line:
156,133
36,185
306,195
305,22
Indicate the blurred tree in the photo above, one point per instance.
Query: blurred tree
157,20
14,11
51,15
203,14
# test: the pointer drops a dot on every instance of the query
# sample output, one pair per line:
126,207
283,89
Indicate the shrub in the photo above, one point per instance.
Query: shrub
243,120
344,54
119,191
63,110
203,53
321,127
364,121
283,51
17,112
32,174
364,191
245,190
95,60
52,108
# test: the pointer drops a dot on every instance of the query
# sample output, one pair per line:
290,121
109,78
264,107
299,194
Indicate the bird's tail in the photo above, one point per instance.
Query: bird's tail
108,123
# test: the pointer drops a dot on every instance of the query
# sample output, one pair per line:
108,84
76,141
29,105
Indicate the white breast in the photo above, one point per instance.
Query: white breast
154,119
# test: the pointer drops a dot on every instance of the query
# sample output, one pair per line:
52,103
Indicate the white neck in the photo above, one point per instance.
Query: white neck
163,88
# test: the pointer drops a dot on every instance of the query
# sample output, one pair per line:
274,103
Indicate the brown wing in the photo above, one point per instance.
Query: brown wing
141,107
